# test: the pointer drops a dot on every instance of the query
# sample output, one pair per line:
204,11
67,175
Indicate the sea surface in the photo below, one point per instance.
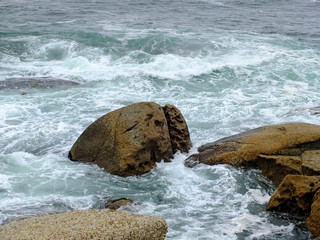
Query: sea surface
228,65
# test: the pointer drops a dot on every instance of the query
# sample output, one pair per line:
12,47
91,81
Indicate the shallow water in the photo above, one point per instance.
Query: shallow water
229,66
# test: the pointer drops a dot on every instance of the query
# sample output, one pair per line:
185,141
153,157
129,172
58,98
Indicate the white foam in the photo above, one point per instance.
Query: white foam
5,183
259,227
258,196
68,59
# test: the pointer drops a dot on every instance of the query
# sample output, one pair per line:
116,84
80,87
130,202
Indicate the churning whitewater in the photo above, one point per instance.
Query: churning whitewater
229,66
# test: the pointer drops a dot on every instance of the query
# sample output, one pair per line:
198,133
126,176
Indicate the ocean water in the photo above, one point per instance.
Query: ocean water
228,65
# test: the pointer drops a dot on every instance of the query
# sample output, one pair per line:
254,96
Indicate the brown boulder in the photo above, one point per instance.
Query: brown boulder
295,195
313,222
278,150
128,141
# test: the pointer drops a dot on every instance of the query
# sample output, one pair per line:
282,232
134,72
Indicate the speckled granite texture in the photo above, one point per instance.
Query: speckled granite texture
86,224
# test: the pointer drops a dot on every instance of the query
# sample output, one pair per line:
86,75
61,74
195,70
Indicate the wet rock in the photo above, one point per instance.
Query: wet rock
128,141
278,150
117,203
295,195
86,224
178,129
310,162
276,167
37,82
299,195
313,222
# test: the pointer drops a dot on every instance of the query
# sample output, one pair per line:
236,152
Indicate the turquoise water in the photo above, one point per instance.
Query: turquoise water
229,66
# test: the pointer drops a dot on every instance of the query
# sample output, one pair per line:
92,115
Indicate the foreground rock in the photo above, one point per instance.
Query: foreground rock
38,82
86,224
278,150
130,140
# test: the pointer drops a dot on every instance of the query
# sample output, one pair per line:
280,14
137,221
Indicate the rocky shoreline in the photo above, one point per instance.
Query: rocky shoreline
287,154
131,140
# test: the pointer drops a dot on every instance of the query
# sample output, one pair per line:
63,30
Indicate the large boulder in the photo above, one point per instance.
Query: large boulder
129,141
278,150
86,224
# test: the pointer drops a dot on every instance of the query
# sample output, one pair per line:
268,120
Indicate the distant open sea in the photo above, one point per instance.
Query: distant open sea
228,65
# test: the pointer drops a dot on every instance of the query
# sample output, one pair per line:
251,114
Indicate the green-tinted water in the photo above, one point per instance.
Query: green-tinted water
229,66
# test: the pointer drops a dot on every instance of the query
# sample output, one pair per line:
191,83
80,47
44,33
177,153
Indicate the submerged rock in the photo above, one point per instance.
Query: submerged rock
117,203
37,82
130,140
86,224
304,111
278,150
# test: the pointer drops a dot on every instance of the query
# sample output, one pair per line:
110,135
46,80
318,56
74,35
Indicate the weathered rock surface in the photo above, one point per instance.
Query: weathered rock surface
295,195
313,222
129,141
117,203
278,150
286,153
178,129
299,195
86,224
38,82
